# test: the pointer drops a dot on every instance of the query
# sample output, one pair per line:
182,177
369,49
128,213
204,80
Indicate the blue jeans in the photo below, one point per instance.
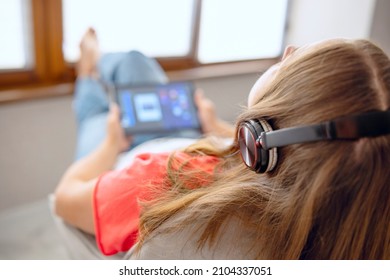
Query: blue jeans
91,103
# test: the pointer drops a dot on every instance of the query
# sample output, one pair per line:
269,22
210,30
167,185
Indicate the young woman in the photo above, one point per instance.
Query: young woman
305,178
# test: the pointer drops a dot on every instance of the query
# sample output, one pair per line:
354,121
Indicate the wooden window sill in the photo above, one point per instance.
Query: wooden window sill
222,70
197,73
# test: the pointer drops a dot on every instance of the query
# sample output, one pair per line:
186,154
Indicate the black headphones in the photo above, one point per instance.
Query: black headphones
258,142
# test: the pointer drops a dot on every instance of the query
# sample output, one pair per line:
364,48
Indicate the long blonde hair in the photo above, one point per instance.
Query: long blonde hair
324,200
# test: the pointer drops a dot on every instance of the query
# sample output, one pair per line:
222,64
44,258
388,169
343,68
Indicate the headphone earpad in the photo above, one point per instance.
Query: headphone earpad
261,163
272,153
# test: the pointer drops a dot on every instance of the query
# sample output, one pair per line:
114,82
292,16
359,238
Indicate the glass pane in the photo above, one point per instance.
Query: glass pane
154,27
14,17
351,19
241,29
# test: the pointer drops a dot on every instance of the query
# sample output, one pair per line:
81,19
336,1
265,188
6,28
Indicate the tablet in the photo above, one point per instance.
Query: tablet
158,109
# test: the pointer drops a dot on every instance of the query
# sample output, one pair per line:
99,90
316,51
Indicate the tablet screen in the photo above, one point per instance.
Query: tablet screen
160,108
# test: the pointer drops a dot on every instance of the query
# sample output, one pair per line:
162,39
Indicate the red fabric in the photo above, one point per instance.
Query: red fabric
117,195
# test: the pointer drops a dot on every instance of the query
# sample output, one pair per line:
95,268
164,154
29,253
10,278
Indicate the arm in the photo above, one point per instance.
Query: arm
75,191
211,124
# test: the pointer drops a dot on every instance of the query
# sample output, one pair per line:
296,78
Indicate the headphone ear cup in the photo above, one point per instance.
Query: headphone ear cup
272,153
253,154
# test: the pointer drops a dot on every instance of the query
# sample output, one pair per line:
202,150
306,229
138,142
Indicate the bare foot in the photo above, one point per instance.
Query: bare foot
89,54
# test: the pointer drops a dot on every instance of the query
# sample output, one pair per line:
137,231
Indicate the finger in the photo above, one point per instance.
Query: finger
114,111
199,93
114,106
199,96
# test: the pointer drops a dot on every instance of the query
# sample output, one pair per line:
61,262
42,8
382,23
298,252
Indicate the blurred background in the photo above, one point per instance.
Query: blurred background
223,46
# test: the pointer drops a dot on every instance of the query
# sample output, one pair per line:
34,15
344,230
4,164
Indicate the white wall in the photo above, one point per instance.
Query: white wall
36,145
381,24
314,20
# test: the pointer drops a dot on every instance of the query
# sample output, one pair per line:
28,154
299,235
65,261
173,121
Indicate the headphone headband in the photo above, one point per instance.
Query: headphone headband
345,128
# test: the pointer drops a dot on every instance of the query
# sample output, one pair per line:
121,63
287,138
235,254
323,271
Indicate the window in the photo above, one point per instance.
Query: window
241,29
14,35
157,28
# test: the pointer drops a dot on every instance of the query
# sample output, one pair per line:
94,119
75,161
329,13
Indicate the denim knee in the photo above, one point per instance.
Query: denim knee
137,69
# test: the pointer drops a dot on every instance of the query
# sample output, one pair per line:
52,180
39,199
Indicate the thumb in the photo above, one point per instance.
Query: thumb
114,111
